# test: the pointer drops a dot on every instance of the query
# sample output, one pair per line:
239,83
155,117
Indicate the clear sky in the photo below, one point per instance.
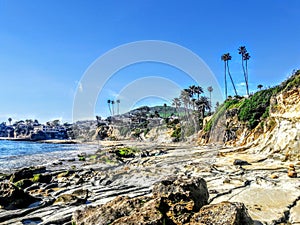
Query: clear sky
46,46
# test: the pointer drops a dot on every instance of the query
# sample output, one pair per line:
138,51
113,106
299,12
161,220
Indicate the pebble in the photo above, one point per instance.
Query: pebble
274,176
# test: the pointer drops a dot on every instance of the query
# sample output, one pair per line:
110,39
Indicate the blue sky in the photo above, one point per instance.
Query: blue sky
46,46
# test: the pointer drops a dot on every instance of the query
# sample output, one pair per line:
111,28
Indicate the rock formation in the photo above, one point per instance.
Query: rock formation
174,201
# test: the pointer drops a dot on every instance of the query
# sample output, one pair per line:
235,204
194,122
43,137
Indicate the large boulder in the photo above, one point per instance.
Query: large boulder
224,213
175,201
11,197
180,197
26,173
193,190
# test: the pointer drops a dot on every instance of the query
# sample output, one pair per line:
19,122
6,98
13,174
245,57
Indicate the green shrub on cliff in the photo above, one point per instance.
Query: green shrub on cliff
253,108
228,104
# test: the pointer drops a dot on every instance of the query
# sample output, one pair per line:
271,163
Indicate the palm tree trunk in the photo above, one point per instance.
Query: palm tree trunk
210,101
246,76
231,79
109,108
225,79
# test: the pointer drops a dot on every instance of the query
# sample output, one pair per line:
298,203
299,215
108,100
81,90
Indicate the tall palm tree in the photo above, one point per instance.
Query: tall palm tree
165,110
118,105
242,51
113,107
246,57
108,102
210,90
223,58
226,57
176,103
185,98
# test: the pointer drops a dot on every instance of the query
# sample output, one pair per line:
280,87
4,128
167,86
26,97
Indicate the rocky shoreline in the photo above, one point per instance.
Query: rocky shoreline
256,185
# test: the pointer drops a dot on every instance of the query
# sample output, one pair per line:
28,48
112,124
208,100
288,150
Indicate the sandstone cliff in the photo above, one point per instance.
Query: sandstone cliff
272,126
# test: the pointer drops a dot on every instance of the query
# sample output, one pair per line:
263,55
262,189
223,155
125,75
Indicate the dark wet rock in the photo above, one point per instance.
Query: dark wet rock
25,183
239,162
224,213
34,186
77,197
49,186
26,173
67,173
42,178
11,197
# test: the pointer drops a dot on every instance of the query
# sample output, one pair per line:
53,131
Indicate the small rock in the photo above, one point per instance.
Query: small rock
239,162
274,176
292,174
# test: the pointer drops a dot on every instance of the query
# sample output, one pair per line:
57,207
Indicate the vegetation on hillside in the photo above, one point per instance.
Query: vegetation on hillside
254,109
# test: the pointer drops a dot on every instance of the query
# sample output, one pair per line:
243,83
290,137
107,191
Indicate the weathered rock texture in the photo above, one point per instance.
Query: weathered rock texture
174,201
12,197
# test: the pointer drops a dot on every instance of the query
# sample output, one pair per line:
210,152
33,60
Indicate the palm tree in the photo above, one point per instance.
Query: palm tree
185,98
246,57
223,58
259,86
118,104
202,104
9,120
176,103
210,89
113,107
108,102
198,90
226,57
165,110
243,51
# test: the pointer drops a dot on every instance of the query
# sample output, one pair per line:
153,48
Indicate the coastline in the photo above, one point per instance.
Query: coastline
105,176
52,141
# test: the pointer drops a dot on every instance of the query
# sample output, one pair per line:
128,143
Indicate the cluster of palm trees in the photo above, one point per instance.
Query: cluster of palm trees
192,101
111,106
245,56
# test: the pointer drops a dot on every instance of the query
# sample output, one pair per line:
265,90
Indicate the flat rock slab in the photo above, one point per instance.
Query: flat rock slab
268,204
295,214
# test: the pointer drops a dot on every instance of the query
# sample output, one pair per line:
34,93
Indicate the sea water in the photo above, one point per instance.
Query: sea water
18,154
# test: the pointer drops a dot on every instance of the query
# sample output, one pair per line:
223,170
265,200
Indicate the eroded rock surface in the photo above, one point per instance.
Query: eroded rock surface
223,213
12,197
174,201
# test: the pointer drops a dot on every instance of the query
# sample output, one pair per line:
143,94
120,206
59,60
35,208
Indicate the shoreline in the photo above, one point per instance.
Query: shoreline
53,141
256,181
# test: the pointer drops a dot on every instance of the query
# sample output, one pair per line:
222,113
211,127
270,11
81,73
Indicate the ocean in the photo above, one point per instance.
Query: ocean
16,154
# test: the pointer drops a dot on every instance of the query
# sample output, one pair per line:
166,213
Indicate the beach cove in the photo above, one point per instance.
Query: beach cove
233,174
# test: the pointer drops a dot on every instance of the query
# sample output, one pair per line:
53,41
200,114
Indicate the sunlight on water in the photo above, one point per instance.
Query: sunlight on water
14,154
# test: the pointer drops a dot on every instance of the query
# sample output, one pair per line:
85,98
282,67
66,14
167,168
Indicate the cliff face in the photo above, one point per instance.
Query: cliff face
277,135
284,139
